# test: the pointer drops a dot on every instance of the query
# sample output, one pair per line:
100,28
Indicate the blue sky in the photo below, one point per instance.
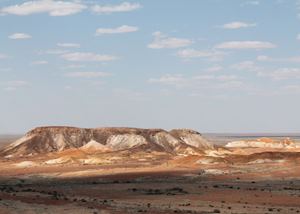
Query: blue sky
209,65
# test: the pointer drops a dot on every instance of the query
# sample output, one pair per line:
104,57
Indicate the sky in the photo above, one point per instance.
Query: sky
209,65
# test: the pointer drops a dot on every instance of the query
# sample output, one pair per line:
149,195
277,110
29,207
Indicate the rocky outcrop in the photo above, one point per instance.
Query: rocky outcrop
54,139
264,143
192,138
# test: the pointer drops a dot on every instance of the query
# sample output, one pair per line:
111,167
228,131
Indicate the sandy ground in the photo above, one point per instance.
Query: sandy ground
260,188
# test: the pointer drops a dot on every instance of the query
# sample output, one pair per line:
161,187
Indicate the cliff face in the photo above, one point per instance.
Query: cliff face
53,139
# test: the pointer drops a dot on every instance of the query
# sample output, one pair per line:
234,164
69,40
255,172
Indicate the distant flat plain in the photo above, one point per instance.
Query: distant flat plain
7,139
224,138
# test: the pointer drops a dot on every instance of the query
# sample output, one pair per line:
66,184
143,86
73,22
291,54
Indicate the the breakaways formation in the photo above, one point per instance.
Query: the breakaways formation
123,146
56,139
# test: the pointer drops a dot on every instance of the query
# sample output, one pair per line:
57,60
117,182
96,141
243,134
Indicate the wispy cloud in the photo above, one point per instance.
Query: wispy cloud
40,62
281,74
73,66
17,83
214,68
298,7
3,56
169,79
192,53
253,3
207,81
121,29
264,58
123,7
163,41
20,36
88,74
54,51
88,57
14,85
53,8
216,77
238,25
245,65
68,45
258,45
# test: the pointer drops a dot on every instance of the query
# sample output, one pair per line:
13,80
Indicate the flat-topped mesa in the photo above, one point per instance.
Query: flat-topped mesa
57,129
58,138
190,131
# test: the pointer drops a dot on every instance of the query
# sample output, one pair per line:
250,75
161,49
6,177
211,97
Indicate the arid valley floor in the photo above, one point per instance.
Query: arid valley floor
237,178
